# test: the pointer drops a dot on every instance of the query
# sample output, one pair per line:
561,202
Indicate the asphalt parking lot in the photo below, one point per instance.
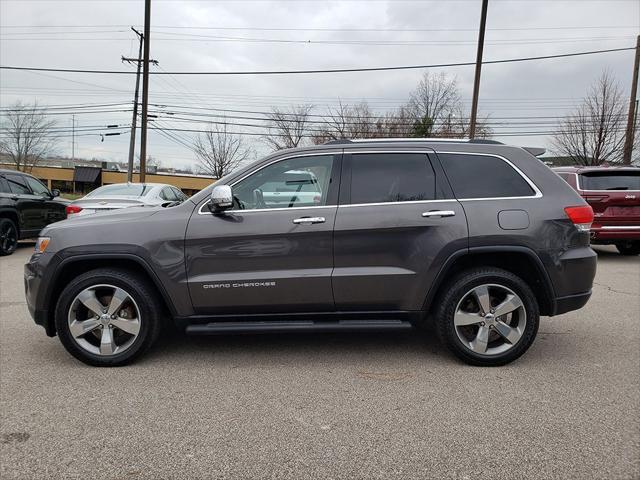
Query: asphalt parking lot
329,406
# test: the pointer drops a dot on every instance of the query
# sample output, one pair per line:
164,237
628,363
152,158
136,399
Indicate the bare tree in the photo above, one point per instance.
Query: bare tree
434,100
219,151
594,132
359,121
288,128
26,136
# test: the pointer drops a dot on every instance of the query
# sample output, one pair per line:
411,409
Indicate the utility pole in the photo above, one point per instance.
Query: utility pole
145,89
628,141
476,81
73,138
132,140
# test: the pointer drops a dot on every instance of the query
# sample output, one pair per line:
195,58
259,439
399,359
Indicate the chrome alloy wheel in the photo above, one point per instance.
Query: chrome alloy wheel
490,319
104,320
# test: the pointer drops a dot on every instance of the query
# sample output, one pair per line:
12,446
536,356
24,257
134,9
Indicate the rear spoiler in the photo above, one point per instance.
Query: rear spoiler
535,151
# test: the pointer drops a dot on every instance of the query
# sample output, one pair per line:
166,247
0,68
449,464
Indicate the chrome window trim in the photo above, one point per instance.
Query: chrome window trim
379,204
276,160
534,187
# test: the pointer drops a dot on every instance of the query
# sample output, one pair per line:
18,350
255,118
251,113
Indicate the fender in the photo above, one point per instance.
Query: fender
64,261
448,264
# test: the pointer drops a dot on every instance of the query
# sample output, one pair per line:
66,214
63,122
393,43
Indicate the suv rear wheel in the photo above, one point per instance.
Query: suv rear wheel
107,317
629,248
8,236
487,316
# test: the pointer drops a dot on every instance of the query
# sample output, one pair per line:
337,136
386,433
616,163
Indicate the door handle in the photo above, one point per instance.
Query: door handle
308,220
439,213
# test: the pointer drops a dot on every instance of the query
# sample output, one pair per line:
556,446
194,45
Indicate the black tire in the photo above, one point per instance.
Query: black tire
453,293
8,237
629,248
145,298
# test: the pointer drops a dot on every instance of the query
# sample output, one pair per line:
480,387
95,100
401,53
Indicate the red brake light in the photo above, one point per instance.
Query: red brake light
581,216
71,209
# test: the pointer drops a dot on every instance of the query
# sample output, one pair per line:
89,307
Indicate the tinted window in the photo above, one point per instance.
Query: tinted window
117,189
4,186
17,184
482,176
391,177
36,187
611,181
295,182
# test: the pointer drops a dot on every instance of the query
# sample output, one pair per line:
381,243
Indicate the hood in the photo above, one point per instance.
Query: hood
116,216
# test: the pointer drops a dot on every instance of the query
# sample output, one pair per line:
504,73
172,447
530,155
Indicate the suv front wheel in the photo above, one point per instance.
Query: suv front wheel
107,317
487,316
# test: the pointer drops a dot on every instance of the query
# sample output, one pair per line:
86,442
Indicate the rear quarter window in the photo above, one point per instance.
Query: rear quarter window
610,181
483,176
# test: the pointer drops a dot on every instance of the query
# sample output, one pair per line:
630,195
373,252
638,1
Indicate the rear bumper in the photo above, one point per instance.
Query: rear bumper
612,233
571,302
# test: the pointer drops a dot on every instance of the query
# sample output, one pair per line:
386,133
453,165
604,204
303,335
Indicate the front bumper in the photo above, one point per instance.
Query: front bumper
34,282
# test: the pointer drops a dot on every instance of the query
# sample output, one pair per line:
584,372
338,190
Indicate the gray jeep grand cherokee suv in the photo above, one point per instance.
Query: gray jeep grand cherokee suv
478,237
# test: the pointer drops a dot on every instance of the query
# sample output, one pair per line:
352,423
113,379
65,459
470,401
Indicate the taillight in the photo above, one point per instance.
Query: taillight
581,216
71,209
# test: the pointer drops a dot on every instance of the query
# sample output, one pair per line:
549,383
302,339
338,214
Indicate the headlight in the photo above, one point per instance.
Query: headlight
42,244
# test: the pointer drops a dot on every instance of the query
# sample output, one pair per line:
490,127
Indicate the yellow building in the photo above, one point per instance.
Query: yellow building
75,180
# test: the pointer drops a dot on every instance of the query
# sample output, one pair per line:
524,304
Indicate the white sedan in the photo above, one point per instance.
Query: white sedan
125,195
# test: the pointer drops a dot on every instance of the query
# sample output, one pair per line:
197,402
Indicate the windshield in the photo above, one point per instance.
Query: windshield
121,189
611,181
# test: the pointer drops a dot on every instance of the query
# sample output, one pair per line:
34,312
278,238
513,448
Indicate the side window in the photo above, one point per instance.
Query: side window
295,182
483,176
167,194
4,186
179,194
17,184
36,187
391,177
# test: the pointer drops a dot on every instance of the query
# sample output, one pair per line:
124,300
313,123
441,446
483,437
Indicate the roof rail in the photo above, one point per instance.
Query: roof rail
343,141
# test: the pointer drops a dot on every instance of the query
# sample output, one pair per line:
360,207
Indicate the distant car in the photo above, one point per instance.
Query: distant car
291,187
614,195
124,195
26,207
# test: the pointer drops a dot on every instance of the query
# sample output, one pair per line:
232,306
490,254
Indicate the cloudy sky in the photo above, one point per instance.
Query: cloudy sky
522,100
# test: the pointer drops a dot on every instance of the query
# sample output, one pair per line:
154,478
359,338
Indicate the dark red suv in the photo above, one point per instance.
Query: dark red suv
614,195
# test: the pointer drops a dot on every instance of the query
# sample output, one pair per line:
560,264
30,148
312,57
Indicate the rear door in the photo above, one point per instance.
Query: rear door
52,210
614,196
397,222
267,255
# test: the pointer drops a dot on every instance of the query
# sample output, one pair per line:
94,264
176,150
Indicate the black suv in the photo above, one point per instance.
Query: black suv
479,237
26,207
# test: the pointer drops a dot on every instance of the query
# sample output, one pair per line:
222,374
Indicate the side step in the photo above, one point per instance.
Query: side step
222,328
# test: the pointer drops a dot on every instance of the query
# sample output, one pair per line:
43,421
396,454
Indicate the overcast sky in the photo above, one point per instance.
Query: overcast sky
212,35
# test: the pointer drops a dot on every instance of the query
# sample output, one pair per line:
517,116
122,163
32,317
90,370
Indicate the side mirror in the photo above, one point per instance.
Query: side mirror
55,192
221,198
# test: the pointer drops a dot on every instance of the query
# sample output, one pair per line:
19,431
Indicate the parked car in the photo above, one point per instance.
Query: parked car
614,195
124,195
26,207
479,237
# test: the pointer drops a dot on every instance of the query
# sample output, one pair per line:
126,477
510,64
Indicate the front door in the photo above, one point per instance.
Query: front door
397,222
273,252
29,206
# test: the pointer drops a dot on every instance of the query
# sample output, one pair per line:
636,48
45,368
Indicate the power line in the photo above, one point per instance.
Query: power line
314,71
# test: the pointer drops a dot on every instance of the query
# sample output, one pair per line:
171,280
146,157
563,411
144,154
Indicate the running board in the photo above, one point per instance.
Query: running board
222,328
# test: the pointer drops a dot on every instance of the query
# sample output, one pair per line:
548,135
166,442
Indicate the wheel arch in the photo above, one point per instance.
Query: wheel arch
73,266
520,261
11,215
